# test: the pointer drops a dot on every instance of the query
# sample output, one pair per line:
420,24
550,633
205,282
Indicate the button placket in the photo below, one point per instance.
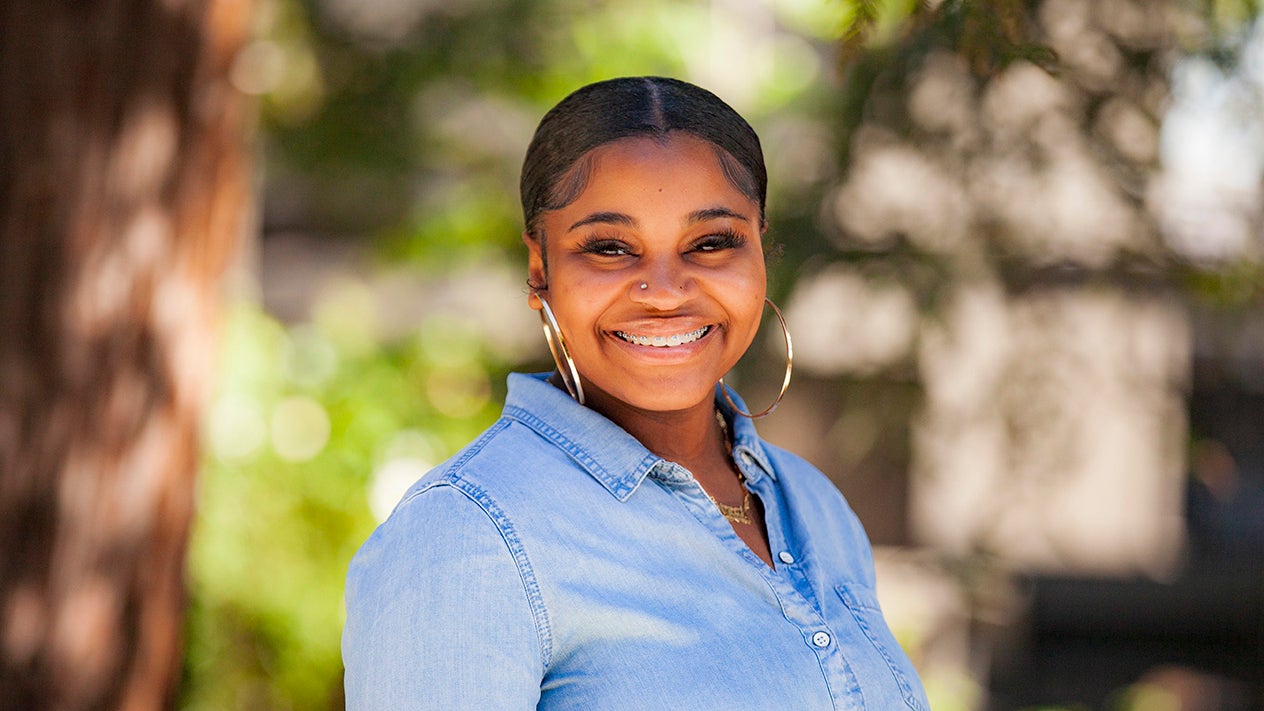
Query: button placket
682,485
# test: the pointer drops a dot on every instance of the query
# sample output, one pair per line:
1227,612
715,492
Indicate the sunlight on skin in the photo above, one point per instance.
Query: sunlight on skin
701,273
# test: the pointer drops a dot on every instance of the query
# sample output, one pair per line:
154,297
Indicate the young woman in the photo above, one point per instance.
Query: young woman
621,538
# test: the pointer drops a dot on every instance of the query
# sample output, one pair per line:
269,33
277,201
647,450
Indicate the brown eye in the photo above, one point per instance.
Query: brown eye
719,241
605,247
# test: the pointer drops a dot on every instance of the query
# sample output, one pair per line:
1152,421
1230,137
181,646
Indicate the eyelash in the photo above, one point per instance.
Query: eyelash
723,239
612,247
604,246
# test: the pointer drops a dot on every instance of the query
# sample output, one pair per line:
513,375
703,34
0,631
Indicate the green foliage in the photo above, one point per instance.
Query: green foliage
1231,14
991,35
1237,286
282,509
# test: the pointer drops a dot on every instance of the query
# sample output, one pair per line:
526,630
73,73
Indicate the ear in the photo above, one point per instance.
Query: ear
536,273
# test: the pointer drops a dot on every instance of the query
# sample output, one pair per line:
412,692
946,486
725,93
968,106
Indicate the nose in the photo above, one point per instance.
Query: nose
661,287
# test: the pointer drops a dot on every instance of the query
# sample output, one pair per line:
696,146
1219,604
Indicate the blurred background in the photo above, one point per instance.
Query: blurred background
1020,248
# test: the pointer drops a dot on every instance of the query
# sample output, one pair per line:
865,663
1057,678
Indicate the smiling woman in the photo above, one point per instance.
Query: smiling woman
622,538
659,212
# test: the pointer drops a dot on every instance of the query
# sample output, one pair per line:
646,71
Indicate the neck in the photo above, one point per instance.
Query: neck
691,437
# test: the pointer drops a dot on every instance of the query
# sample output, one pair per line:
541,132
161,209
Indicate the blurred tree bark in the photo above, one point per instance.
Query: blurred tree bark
123,187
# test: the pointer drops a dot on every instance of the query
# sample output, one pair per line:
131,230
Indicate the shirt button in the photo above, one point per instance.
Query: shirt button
821,639
785,557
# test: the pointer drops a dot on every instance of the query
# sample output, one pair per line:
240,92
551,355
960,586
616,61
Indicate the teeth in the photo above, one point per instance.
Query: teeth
675,339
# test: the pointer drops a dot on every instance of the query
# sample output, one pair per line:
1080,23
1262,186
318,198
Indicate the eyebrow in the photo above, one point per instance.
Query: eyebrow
715,213
605,218
619,218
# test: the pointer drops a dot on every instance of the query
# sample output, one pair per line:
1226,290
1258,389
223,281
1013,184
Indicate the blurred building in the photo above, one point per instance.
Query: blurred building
1035,267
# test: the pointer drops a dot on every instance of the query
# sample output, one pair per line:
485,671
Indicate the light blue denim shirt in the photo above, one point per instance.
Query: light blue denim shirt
556,563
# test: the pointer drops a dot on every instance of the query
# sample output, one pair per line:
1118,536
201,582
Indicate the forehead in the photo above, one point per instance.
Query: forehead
677,166
676,149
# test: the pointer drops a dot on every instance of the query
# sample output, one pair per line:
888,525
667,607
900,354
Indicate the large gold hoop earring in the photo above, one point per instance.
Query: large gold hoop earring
785,383
561,356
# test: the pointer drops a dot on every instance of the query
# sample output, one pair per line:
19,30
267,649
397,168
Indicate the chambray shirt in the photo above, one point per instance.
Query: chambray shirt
556,563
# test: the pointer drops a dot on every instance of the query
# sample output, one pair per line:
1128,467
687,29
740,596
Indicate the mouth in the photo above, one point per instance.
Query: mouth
663,341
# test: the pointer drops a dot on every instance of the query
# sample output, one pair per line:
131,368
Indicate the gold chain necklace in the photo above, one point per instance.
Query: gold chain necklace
735,514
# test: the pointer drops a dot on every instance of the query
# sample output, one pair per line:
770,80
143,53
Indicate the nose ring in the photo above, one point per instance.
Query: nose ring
644,286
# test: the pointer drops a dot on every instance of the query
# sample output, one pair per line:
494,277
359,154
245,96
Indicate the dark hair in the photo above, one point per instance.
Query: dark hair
556,171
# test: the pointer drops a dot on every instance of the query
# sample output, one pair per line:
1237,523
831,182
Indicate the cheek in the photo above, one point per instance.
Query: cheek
582,282
758,291
577,305
755,310
748,306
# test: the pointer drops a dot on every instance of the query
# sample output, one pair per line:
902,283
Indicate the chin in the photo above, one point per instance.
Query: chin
662,395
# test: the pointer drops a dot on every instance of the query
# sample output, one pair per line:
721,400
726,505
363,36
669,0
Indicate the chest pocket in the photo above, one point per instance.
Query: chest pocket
863,605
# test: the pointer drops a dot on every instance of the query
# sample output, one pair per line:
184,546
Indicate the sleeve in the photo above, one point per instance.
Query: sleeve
437,613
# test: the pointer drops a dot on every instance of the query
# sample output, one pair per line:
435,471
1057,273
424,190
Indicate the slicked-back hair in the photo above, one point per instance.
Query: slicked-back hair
558,161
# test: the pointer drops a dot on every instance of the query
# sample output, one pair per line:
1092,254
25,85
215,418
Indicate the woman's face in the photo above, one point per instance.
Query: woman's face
663,214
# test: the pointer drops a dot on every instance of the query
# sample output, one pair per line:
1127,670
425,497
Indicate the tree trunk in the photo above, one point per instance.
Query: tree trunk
123,186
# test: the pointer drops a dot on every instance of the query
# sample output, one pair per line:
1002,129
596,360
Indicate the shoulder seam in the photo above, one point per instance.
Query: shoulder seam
517,551
451,476
451,472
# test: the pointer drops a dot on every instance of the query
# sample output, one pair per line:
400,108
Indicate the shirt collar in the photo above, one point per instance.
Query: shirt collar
609,454
745,438
612,456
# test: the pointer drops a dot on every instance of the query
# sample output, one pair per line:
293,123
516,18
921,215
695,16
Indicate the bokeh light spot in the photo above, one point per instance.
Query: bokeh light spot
300,429
235,427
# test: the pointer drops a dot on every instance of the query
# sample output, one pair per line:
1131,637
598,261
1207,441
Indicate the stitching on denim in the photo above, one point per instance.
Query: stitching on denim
530,585
476,446
618,486
854,605
785,589
851,685
451,472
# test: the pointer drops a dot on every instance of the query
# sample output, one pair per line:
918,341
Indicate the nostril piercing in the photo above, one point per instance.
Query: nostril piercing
644,286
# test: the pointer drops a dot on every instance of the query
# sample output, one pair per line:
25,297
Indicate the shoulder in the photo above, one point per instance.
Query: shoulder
441,581
800,477
448,549
503,451
472,504
465,500
459,509
489,474
436,528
